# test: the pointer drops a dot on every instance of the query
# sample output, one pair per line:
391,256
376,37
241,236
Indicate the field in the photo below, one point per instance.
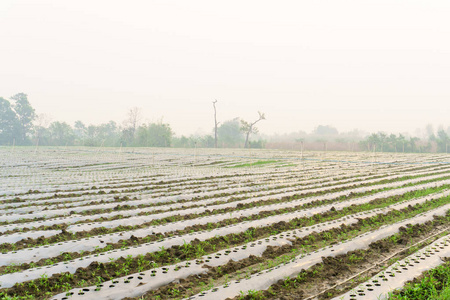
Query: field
147,223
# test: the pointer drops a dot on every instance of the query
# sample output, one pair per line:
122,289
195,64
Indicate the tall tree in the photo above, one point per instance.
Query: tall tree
402,140
154,135
442,141
25,114
106,134
61,133
248,128
393,140
79,129
382,137
9,124
372,142
110,133
413,143
230,134
216,124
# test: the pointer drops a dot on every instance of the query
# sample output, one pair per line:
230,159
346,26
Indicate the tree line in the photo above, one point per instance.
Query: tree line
16,120
20,125
382,142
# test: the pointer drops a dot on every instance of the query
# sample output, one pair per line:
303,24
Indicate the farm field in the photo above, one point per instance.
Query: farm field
151,223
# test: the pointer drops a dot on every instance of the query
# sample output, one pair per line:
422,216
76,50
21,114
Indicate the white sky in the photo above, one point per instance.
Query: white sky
373,65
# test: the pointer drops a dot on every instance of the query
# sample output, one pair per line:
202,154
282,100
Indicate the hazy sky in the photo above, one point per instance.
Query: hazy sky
373,65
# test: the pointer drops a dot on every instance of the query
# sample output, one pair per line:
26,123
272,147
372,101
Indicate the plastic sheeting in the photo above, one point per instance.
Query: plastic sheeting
89,244
396,275
265,279
255,248
15,237
124,286
65,211
239,213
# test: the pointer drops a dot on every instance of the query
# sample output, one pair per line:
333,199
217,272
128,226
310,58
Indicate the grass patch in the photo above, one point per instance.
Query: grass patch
255,164
433,284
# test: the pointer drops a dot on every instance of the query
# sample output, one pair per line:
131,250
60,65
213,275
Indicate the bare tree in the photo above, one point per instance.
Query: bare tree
248,128
216,124
134,120
41,122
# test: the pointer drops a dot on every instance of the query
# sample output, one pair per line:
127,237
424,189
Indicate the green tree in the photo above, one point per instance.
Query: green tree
181,142
382,138
372,141
61,134
402,141
154,135
229,133
259,144
392,141
202,141
9,124
205,141
107,134
92,139
443,141
25,114
413,143
80,130
325,130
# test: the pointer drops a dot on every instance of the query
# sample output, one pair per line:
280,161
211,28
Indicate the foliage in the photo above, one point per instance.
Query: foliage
229,134
25,115
259,144
79,129
435,284
325,130
380,142
206,141
19,125
154,135
61,133
9,123
443,141
107,134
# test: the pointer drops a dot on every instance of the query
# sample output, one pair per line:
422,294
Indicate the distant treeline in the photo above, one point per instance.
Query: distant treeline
326,138
19,125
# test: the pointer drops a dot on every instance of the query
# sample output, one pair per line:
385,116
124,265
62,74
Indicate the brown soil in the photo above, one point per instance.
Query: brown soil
316,279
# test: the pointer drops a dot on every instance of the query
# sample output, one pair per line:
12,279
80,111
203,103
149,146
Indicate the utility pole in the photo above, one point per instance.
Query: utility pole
215,123
373,162
37,144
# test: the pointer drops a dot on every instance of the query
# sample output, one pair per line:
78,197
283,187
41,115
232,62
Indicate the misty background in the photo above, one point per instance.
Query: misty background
330,74
20,125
